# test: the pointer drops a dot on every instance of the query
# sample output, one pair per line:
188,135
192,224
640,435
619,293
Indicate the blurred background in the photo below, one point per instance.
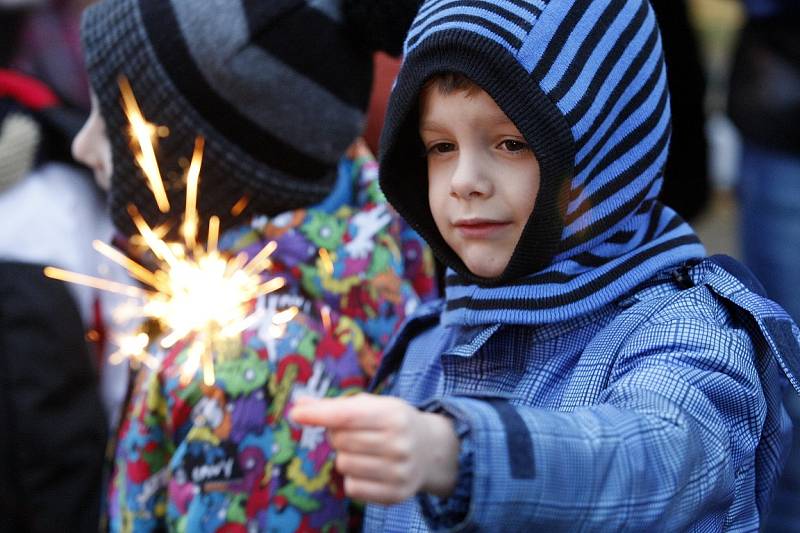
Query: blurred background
717,23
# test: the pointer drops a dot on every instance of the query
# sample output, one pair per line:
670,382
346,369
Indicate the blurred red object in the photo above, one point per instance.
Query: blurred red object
386,69
31,93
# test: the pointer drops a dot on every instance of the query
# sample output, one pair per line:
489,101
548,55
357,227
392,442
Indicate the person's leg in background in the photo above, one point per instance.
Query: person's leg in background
769,191
770,204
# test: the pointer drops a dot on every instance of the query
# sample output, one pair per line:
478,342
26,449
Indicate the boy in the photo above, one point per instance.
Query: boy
277,117
588,369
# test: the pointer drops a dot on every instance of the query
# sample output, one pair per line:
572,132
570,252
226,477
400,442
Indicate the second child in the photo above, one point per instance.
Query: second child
278,111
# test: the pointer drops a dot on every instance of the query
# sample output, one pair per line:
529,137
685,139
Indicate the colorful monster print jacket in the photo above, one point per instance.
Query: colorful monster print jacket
225,458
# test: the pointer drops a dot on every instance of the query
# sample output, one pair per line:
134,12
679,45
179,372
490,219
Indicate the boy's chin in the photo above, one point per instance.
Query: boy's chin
486,266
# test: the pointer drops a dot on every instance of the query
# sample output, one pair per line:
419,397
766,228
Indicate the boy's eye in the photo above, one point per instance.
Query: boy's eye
513,146
442,148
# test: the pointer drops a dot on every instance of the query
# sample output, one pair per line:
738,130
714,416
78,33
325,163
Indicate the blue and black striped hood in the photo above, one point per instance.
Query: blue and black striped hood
585,83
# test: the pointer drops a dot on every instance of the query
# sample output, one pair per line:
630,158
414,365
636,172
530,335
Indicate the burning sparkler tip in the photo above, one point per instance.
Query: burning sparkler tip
201,294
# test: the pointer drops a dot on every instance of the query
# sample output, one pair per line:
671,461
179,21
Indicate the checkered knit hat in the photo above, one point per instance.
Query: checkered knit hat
278,89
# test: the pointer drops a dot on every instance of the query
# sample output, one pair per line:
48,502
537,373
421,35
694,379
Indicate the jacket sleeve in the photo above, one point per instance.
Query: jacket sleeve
137,492
51,419
657,450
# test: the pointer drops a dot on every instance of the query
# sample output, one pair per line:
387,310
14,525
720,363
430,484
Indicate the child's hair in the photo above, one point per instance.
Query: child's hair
450,82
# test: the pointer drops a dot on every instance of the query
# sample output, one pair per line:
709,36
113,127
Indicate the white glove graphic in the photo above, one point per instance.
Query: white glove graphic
317,386
368,224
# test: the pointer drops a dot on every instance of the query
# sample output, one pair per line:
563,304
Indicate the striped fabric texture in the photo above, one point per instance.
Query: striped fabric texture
257,79
585,83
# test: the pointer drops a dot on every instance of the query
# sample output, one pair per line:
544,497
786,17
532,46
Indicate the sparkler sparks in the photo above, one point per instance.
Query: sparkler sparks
144,133
195,292
239,207
325,313
133,348
327,262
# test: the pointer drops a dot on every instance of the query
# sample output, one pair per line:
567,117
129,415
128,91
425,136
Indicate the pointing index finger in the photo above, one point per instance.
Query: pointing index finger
355,412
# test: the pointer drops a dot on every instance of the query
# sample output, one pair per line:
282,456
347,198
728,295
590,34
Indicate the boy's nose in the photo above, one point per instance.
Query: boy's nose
470,180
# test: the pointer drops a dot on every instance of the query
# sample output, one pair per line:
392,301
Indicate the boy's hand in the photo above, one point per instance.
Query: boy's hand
386,449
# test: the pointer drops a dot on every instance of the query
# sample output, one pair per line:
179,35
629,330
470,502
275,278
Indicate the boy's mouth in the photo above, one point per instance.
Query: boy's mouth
477,228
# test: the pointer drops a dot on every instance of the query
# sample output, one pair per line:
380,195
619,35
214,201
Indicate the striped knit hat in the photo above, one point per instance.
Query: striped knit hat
278,89
584,82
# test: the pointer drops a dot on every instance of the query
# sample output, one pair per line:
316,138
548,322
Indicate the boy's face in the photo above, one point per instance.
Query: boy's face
92,147
483,177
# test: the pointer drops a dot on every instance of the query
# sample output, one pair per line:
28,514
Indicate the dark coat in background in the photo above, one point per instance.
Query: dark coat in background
686,184
52,423
51,420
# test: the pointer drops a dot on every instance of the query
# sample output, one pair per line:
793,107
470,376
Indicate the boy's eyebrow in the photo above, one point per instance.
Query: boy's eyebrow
496,120
501,120
431,125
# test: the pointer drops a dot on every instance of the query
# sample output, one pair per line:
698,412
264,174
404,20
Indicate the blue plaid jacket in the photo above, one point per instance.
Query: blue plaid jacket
660,412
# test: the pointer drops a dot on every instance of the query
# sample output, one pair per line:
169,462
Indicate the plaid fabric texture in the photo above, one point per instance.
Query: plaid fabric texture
660,412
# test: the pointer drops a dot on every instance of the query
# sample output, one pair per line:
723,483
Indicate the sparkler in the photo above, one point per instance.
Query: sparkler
134,349
325,314
195,292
